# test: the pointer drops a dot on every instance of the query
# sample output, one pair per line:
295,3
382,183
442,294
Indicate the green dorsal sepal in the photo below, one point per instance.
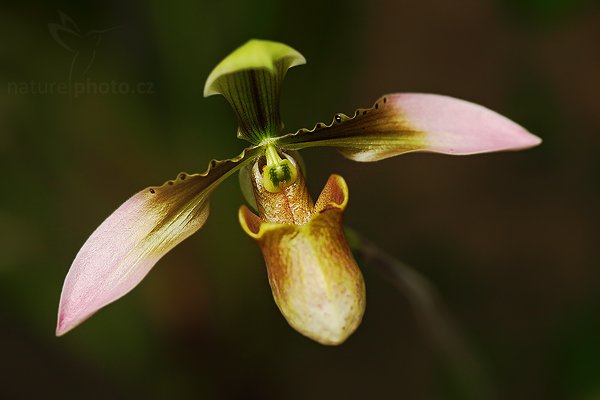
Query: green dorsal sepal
250,79
278,173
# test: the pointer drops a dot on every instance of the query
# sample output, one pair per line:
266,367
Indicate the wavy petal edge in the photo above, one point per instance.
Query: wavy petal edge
128,243
414,122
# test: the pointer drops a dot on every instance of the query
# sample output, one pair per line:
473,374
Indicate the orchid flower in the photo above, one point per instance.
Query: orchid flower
313,275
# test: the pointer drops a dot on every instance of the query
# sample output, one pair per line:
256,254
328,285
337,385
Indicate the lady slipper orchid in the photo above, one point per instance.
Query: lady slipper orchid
315,280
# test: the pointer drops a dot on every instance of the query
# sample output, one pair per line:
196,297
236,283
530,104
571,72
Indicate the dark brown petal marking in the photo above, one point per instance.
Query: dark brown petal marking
371,134
190,193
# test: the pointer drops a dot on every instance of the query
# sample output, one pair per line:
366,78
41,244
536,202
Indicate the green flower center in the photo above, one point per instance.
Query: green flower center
278,172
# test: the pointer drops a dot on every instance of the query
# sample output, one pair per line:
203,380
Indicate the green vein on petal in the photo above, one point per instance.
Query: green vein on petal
250,78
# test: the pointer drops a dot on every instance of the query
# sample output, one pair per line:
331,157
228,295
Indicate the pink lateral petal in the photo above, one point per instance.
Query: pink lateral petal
122,250
454,126
412,122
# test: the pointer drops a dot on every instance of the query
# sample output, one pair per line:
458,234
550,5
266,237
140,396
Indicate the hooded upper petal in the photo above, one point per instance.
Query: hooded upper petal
123,249
250,78
407,122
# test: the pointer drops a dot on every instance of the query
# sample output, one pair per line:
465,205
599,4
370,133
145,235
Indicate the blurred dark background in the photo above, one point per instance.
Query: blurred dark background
509,240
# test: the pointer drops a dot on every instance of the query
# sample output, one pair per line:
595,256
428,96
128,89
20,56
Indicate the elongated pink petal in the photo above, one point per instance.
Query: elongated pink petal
123,249
119,254
455,126
408,122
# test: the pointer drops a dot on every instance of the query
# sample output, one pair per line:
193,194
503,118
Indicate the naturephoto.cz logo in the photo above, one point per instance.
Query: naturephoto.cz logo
84,48
79,88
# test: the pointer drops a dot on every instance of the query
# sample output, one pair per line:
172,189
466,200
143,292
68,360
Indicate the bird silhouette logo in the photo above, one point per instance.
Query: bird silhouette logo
83,46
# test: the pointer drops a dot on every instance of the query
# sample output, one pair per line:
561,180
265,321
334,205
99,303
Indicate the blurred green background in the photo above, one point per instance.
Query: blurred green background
511,241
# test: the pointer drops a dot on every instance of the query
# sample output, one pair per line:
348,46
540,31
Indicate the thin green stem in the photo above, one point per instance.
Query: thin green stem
438,324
